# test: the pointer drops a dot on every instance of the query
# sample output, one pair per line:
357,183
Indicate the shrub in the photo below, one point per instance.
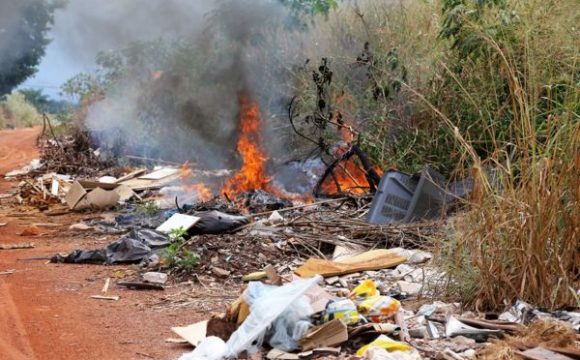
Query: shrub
18,112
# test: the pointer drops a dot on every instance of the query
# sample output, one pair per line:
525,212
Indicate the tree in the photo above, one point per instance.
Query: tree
311,7
24,26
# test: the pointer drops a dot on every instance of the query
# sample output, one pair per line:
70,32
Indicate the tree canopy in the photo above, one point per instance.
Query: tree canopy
24,27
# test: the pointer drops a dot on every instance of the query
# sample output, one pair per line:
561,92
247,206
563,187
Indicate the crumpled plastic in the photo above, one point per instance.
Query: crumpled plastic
267,303
384,342
135,247
212,348
379,308
365,289
270,309
377,353
343,309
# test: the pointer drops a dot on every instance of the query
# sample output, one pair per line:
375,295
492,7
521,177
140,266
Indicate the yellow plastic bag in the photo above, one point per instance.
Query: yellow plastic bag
379,308
365,289
386,343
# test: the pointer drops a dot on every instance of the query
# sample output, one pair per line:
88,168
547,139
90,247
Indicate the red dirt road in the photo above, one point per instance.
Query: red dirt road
45,309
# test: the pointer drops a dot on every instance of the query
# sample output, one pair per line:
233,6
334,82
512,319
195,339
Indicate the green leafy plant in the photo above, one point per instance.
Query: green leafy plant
177,235
176,256
147,207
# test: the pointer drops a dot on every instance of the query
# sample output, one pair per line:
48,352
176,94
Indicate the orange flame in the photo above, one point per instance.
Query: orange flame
251,175
202,192
349,175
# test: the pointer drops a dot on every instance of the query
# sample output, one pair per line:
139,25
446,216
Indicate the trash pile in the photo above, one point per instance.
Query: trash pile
304,317
345,277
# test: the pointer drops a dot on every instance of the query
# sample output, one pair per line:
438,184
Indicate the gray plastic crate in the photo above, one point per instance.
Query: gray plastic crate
403,198
393,198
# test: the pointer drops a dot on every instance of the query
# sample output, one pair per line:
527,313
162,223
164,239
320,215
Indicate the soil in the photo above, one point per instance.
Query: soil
46,310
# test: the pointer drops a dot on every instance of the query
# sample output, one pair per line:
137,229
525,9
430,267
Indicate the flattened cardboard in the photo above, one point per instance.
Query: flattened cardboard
125,193
101,199
139,184
540,353
370,260
176,221
88,185
374,329
194,333
75,194
332,333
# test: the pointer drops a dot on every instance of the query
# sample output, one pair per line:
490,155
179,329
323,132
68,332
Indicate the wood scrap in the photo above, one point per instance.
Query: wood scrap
140,285
131,175
16,246
540,353
101,297
106,286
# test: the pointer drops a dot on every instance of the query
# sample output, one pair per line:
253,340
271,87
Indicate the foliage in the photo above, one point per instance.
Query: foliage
23,41
147,207
43,103
481,87
17,112
310,7
82,87
176,255
515,110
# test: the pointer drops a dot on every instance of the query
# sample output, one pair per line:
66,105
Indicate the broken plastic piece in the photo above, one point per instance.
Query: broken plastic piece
365,289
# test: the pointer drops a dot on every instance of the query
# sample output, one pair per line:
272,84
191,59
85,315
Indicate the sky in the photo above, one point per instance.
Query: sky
85,27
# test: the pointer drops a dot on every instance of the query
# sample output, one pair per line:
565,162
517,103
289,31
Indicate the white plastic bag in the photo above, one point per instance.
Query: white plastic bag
211,348
267,303
291,326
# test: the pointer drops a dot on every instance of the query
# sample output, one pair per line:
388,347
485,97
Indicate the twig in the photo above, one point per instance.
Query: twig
300,206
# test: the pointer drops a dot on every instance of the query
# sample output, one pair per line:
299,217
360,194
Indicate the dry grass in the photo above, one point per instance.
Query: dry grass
520,240
549,333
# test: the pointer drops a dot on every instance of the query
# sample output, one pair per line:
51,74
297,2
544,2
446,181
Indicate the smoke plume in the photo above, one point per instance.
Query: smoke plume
174,86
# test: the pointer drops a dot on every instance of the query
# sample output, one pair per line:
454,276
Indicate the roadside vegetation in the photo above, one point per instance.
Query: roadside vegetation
16,111
25,108
488,89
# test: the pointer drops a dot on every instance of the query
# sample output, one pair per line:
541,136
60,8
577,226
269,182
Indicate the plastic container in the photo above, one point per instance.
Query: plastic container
402,198
393,198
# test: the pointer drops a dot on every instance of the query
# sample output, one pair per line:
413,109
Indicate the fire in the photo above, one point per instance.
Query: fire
202,192
251,175
349,175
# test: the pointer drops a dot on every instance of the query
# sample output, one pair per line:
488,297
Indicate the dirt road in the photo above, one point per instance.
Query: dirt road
45,309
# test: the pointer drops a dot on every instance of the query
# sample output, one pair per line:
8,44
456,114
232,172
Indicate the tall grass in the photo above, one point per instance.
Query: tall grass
497,98
521,237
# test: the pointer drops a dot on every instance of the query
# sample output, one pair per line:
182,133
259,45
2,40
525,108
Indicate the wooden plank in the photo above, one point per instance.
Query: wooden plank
101,297
143,184
160,174
539,353
131,175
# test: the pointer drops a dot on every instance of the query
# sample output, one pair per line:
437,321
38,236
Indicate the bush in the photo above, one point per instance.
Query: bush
18,112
